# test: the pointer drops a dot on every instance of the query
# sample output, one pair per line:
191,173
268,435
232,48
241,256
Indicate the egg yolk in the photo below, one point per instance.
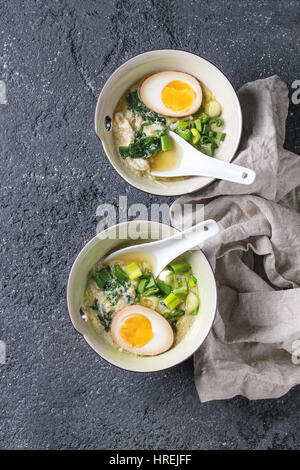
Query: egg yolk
178,96
136,330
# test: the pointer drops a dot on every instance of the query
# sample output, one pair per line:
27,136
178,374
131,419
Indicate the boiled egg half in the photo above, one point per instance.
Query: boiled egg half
142,331
175,94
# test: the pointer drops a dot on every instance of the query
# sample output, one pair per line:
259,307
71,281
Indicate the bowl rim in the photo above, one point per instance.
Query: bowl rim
107,83
112,363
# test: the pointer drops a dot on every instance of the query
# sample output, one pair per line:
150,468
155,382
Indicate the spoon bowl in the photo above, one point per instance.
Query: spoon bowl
162,252
111,240
144,65
195,163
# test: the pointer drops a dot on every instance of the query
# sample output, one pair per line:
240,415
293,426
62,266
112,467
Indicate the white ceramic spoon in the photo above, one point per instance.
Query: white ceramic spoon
195,163
162,252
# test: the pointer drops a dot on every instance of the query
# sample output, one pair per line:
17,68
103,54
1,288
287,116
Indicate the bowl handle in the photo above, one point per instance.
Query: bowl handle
101,128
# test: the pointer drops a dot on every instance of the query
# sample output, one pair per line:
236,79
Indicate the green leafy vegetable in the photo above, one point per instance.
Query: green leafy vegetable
173,316
102,276
95,305
105,320
114,288
144,147
104,317
137,106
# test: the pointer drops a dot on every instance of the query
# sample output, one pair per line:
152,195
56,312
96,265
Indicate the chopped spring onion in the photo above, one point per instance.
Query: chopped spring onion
165,142
192,281
150,302
198,125
140,289
196,136
173,316
192,304
183,125
163,287
185,134
150,291
220,135
170,279
216,121
133,271
182,288
180,266
204,139
150,287
175,313
213,109
172,301
205,129
203,117
208,149
119,273
141,286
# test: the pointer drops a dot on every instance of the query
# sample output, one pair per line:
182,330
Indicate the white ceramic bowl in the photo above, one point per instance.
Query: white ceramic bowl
95,250
147,64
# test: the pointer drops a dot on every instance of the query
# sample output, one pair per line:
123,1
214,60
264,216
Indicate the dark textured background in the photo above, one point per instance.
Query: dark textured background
54,57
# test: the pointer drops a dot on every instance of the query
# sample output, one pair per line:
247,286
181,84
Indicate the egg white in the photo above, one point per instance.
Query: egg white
151,89
162,333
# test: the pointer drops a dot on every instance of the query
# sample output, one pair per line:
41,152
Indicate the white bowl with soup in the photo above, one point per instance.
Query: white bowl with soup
168,346
150,75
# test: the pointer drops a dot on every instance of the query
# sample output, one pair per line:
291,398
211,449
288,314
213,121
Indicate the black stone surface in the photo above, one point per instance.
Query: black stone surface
55,56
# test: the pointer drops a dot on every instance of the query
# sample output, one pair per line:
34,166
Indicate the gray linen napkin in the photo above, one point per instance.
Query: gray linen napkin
253,348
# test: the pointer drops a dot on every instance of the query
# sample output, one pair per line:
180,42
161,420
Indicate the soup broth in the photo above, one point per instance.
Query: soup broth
115,286
138,139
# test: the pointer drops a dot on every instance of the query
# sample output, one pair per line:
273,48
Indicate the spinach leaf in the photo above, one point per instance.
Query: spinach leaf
143,147
105,320
172,317
95,305
104,317
137,106
114,288
102,276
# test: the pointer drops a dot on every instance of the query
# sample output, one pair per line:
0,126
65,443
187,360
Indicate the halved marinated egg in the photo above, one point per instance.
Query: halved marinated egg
171,93
142,331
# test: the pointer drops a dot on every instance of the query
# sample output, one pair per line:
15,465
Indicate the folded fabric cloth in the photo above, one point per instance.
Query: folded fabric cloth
253,348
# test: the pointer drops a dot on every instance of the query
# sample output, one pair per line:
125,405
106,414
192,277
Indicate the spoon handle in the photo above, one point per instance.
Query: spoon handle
195,235
212,167
172,247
